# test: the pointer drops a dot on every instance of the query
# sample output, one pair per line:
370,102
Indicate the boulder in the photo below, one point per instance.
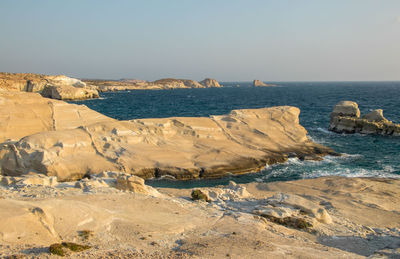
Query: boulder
345,118
67,92
231,192
292,201
259,83
209,82
135,184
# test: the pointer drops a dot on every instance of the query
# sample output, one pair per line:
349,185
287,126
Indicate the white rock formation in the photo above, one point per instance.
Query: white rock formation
57,87
185,148
345,118
210,82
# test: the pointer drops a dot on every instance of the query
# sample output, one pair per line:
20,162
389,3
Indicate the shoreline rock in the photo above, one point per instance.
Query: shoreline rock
68,93
345,118
56,87
257,83
76,141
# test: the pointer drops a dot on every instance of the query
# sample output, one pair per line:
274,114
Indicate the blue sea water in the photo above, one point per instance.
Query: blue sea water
365,155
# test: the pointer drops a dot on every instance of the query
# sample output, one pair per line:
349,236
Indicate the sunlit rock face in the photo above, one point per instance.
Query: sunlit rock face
345,118
57,87
70,141
209,82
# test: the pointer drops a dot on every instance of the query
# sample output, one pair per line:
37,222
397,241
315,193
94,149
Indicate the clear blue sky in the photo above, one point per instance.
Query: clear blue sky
230,40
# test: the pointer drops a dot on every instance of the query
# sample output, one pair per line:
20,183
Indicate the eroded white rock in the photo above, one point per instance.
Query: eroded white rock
293,201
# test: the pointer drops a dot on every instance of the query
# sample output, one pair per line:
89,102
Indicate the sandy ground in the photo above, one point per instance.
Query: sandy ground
364,213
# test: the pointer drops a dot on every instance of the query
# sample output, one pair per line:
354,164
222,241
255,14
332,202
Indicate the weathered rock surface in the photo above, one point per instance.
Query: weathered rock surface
345,118
67,92
231,192
289,205
376,115
23,114
185,148
209,82
122,224
57,87
260,83
346,109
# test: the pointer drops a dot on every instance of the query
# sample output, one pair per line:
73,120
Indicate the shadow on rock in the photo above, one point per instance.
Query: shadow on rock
372,244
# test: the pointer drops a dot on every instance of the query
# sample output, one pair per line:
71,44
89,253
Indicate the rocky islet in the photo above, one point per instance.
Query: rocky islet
346,118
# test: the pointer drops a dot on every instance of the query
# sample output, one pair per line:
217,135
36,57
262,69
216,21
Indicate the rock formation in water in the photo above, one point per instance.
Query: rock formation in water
259,83
56,87
74,144
345,118
209,82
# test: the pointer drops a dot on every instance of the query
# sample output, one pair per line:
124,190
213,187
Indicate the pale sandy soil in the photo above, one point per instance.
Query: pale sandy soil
365,217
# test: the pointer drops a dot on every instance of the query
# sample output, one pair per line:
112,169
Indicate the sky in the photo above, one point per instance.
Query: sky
229,40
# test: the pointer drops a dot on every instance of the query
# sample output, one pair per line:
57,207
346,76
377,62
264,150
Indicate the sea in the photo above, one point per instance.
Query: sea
363,155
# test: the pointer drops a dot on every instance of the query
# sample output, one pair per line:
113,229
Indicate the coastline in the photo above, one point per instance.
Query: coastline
71,141
364,215
328,216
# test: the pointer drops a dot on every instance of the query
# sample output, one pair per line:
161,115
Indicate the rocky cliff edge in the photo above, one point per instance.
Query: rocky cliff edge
56,87
76,141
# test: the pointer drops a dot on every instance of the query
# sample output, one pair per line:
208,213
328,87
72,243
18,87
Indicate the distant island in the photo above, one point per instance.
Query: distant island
62,87
136,84
257,83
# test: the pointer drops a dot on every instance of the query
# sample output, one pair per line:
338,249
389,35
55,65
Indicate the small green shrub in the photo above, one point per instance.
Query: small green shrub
57,249
199,195
293,222
60,249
